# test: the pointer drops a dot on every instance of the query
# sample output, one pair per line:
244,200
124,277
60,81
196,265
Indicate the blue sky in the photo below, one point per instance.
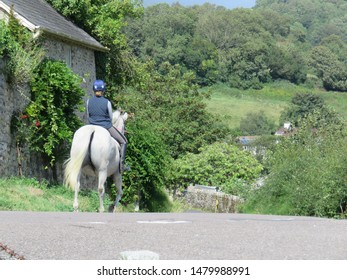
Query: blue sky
231,4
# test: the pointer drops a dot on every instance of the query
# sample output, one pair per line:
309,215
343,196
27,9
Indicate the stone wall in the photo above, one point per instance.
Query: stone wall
211,200
10,101
82,62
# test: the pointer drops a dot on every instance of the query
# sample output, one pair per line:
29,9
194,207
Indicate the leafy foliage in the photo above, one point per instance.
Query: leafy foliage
247,47
307,174
149,160
329,68
288,63
173,104
21,52
216,44
320,18
320,30
220,164
304,104
104,20
257,124
49,120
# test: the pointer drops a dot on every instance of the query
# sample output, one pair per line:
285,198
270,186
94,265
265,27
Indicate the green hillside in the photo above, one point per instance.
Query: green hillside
233,104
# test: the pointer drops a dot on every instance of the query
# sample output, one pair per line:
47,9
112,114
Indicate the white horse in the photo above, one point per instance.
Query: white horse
95,153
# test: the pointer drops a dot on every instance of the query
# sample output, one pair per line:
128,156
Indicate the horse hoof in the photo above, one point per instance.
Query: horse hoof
110,208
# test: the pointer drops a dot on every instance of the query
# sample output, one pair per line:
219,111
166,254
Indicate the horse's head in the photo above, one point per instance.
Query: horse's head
119,119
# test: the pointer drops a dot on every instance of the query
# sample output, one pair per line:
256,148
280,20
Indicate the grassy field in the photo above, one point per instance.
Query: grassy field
232,104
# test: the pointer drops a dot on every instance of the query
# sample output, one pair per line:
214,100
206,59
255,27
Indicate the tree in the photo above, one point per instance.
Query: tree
243,45
336,45
221,165
164,34
202,58
257,124
329,68
288,63
249,65
319,18
305,104
298,32
176,108
231,46
174,41
105,20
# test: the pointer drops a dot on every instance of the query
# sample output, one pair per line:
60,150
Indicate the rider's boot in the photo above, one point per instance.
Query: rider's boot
123,167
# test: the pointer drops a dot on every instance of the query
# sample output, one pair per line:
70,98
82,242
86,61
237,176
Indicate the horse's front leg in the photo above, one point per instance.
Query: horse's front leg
101,189
117,179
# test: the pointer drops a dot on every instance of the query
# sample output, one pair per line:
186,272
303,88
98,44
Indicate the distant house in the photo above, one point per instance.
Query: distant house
63,41
246,143
285,130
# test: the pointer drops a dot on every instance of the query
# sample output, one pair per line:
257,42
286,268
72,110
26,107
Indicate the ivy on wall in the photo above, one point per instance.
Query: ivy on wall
55,96
20,50
49,121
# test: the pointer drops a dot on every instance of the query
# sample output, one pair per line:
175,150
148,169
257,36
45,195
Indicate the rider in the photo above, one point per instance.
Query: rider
99,111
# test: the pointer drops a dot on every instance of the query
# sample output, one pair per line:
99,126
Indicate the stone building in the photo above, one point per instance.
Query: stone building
62,41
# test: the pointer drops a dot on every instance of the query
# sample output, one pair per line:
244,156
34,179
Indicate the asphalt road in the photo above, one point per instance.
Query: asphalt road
169,236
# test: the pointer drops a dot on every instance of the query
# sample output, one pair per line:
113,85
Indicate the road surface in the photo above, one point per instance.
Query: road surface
170,236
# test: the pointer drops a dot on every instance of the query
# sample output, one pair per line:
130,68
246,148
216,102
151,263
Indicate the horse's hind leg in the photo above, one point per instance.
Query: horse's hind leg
77,188
101,189
117,178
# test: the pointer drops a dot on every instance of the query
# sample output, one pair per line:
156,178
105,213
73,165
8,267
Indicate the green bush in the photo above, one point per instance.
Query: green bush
304,104
307,174
220,164
257,123
149,161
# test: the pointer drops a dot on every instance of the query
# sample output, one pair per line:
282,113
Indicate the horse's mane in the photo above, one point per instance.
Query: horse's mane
119,119
115,116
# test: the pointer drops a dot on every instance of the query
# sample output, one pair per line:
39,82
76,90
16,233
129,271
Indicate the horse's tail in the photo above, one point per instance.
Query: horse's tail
79,150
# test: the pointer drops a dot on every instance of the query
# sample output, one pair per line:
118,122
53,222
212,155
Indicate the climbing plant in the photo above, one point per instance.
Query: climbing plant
49,121
20,50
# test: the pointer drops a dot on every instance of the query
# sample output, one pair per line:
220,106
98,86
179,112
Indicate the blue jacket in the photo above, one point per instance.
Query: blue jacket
100,111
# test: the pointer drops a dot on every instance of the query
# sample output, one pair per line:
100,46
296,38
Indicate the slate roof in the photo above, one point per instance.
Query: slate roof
41,17
245,140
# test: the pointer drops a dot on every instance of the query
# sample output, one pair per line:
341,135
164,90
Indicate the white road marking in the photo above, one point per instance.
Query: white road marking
163,222
139,255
